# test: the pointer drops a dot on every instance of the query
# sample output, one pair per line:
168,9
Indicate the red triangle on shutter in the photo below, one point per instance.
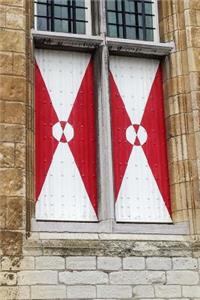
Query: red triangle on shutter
155,148
45,118
83,144
121,147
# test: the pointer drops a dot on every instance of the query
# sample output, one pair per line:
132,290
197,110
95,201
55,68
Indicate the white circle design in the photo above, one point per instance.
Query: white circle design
58,131
140,134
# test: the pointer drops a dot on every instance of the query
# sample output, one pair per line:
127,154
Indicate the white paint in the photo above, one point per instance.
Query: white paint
62,72
63,195
134,78
141,135
139,198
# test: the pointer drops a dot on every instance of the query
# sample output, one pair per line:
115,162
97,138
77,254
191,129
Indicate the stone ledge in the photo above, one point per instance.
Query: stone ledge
113,248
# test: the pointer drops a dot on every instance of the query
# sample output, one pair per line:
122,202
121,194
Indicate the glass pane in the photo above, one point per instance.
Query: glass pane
41,10
140,21
80,14
112,17
58,25
58,11
41,23
149,34
120,18
61,2
110,4
139,7
130,20
141,35
80,3
130,33
64,12
149,21
119,5
80,27
121,35
148,8
112,30
129,5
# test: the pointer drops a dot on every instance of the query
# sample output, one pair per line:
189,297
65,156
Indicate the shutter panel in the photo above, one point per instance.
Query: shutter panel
138,134
65,137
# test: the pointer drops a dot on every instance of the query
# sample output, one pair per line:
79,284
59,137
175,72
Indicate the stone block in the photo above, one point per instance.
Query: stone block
133,263
14,213
13,112
49,262
20,156
48,292
109,263
15,293
11,243
12,40
6,155
12,182
81,292
182,277
83,277
12,2
6,59
169,291
143,291
19,64
15,18
12,88
137,277
114,291
12,133
191,291
10,263
185,263
81,263
8,278
158,263
37,277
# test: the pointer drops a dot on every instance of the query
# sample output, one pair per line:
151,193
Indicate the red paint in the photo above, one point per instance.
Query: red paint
155,147
120,121
83,145
45,118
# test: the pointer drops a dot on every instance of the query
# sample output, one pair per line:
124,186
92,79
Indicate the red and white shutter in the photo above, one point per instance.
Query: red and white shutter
138,134
65,137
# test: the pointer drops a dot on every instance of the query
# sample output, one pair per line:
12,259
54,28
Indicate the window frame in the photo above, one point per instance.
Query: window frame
101,47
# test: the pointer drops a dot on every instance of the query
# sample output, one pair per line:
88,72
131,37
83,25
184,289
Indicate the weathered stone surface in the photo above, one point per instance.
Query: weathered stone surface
20,155
12,2
12,112
6,155
8,278
137,277
49,262
12,133
48,292
10,263
11,243
37,277
15,293
15,18
12,182
6,63
19,64
12,88
81,292
81,263
12,41
143,291
109,263
83,277
14,213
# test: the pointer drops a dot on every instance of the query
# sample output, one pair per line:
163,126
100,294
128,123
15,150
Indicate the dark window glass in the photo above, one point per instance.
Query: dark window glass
61,15
130,19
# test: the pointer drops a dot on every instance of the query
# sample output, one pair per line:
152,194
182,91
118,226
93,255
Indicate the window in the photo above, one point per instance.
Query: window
100,135
62,15
130,19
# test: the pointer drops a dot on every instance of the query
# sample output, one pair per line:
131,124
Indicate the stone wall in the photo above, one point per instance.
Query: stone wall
104,266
